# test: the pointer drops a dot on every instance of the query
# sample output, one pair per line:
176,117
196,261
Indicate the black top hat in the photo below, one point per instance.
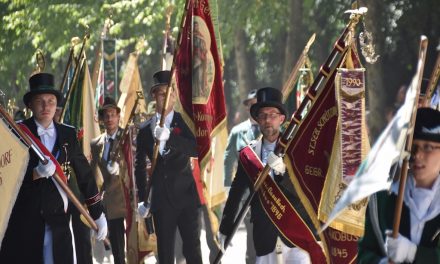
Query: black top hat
160,78
41,83
427,125
108,103
251,95
267,97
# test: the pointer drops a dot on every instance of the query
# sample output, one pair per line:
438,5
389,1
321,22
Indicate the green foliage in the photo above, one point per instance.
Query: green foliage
50,25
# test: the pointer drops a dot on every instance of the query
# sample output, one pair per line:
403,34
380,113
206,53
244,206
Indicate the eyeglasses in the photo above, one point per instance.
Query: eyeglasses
264,116
425,148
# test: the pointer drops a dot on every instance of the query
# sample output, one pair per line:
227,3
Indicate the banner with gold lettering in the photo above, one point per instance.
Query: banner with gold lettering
315,159
285,211
350,148
14,157
198,76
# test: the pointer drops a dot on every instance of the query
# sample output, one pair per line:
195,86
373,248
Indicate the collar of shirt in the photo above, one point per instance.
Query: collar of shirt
107,136
49,131
168,118
47,135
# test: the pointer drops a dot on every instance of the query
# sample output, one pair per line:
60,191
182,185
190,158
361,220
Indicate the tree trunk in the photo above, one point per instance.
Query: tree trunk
245,62
295,37
376,92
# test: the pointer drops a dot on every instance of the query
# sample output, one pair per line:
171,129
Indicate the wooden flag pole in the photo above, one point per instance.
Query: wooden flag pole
409,139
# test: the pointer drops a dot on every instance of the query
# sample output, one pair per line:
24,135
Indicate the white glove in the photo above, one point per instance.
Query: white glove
276,163
143,210
45,171
101,222
161,133
113,168
222,240
400,249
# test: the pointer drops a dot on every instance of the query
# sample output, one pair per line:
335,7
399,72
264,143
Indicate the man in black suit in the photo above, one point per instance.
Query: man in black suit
270,114
38,229
174,199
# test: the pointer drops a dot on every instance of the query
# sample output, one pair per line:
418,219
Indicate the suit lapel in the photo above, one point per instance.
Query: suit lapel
100,145
257,148
57,152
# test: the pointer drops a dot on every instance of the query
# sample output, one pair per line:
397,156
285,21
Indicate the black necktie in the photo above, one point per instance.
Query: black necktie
111,140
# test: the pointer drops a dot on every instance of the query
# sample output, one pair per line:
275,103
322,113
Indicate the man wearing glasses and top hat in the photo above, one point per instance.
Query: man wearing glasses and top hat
174,198
270,248
39,226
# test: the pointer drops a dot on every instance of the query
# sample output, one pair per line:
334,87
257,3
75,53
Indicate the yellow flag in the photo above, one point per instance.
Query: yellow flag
213,175
130,84
90,121
14,157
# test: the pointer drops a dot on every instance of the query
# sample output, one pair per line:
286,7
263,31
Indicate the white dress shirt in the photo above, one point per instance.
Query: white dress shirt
107,144
47,135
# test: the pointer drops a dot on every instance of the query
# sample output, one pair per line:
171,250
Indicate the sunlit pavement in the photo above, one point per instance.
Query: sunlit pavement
234,255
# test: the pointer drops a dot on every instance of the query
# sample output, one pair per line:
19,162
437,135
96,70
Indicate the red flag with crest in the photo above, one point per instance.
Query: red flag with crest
198,76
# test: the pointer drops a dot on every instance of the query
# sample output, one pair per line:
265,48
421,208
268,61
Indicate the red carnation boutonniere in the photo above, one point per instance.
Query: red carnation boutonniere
80,134
176,130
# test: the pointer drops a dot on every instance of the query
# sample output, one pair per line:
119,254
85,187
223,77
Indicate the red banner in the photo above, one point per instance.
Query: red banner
280,210
199,77
309,159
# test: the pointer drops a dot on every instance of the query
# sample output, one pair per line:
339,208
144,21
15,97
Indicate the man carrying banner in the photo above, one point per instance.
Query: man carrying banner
174,198
114,173
240,136
270,115
418,239
38,229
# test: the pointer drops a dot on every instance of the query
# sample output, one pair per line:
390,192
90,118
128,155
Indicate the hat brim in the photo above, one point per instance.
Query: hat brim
154,87
101,111
255,108
427,136
28,96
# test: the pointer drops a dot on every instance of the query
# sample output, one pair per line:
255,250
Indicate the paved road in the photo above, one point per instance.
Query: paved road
234,255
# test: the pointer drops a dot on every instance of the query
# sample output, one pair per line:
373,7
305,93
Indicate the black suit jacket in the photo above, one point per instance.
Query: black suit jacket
172,177
39,202
66,148
265,233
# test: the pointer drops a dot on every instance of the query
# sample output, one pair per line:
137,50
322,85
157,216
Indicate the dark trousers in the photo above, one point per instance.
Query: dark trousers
116,231
83,244
166,220
251,255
